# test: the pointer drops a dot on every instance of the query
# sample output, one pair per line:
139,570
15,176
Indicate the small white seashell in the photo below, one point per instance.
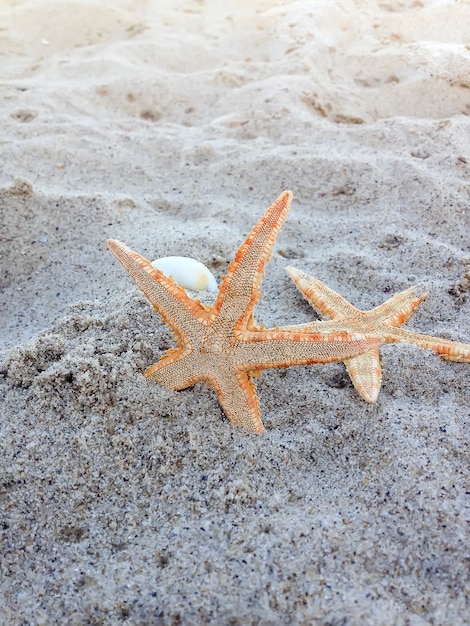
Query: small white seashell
187,272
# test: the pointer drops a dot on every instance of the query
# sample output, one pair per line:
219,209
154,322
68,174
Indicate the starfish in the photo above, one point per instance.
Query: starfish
365,370
221,344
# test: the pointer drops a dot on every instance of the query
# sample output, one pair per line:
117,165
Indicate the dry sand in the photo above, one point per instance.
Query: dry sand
172,126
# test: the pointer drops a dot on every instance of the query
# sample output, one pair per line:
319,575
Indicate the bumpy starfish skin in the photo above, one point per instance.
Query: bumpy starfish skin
365,369
221,344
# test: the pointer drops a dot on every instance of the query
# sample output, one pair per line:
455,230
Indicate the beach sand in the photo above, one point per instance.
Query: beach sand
172,126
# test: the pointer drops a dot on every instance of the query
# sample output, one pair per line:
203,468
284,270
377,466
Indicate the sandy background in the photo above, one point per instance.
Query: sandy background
172,126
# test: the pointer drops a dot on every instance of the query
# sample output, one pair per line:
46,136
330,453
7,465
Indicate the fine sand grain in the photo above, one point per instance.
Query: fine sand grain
172,126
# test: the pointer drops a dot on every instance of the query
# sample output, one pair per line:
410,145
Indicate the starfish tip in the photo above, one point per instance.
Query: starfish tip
420,292
370,395
292,271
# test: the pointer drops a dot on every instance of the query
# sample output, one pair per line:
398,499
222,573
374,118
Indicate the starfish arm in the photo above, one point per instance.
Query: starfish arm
323,299
177,369
238,292
178,310
365,372
351,325
445,348
234,386
278,348
396,310
236,392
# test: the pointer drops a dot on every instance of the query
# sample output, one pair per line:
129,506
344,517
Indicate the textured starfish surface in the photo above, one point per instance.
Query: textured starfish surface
383,321
221,344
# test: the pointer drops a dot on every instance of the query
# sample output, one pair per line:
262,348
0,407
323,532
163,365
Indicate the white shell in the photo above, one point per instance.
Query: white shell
187,272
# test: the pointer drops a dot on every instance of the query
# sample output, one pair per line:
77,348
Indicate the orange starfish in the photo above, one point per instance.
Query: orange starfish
365,369
221,344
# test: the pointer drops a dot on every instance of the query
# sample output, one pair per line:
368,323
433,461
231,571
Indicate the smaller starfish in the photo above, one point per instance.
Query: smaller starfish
221,344
365,370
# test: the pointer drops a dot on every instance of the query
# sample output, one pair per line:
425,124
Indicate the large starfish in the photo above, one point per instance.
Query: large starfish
221,344
383,321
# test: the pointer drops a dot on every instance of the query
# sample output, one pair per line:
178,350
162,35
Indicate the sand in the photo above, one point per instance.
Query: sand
172,126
